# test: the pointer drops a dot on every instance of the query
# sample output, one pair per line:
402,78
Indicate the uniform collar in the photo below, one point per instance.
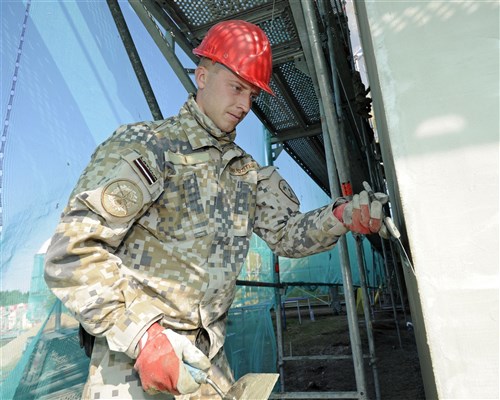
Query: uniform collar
192,119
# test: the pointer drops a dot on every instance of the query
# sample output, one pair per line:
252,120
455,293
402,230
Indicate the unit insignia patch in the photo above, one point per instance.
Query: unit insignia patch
121,198
288,192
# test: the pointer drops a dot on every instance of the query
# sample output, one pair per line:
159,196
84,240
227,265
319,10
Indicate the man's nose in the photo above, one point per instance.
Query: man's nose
245,102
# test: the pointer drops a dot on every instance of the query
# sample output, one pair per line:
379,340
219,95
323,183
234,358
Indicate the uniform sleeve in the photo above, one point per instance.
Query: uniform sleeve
288,232
119,184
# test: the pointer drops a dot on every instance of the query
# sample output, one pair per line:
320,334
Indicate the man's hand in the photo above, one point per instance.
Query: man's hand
161,362
362,215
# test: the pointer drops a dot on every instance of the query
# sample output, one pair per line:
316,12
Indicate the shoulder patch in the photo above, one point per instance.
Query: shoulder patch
121,198
266,172
288,192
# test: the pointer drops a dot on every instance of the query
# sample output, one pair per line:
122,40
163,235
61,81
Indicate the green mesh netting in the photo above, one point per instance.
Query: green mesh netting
250,340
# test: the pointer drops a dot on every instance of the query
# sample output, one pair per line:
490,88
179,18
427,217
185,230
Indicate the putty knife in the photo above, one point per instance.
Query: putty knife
248,387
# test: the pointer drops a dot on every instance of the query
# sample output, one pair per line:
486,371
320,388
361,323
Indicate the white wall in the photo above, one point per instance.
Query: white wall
434,73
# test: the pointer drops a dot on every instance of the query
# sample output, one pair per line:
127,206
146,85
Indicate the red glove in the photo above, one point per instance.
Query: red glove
361,215
161,362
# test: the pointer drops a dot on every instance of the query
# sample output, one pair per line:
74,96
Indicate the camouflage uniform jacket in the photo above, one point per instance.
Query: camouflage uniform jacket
158,227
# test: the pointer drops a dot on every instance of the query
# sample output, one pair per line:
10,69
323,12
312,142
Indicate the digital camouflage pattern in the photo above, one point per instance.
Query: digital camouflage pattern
157,229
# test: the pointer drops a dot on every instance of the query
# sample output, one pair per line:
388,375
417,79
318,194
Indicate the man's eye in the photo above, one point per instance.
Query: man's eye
237,88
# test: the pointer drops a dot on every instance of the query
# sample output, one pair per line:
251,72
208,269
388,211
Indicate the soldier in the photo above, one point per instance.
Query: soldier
149,247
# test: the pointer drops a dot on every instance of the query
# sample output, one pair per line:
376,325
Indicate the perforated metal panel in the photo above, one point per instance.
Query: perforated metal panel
280,29
308,152
276,109
199,13
302,91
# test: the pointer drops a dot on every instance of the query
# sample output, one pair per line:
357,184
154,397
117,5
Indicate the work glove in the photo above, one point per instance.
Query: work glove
160,364
364,215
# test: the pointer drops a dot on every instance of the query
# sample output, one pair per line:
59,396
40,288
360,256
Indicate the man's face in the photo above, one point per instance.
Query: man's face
223,96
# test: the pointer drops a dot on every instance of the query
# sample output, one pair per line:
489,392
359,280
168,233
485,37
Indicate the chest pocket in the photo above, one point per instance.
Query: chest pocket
182,213
194,205
244,204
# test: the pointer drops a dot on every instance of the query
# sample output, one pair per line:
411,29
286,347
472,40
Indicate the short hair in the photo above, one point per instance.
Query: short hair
206,62
211,65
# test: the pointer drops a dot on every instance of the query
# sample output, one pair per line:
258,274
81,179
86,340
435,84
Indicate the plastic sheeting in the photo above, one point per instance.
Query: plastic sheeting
73,87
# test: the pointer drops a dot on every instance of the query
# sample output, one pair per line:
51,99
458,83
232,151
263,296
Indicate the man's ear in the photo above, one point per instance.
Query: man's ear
200,75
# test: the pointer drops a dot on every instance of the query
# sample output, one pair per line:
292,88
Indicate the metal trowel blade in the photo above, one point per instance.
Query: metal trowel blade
252,387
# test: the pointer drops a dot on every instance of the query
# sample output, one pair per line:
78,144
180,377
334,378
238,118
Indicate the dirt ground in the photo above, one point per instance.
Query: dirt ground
397,365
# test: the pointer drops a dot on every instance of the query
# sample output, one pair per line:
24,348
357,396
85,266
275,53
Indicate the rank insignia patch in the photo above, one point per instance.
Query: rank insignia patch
288,192
121,198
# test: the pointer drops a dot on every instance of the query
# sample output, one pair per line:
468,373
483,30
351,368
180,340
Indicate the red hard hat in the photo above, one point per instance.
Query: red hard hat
242,47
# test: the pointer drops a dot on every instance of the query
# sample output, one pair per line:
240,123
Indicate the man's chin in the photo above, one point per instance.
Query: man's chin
228,128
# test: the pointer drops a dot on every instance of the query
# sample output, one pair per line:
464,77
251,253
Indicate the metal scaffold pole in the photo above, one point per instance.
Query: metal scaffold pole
367,313
277,288
135,60
342,166
324,10
391,292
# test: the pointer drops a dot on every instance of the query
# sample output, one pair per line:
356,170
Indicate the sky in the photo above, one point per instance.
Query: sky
73,86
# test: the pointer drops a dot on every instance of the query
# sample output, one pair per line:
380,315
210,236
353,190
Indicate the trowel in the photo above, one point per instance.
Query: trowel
248,387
